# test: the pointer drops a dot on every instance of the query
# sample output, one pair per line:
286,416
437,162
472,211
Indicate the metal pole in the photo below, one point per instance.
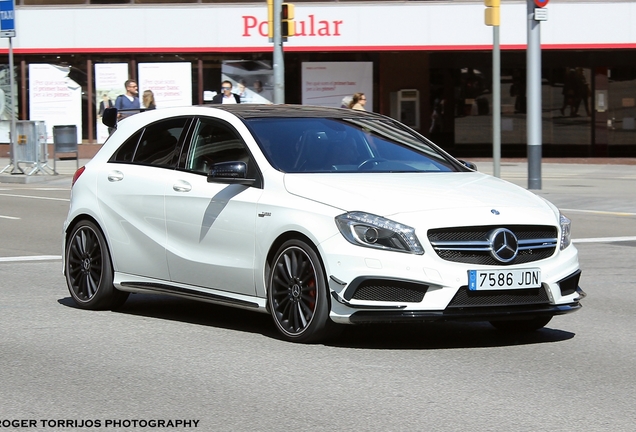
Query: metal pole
14,144
496,103
533,90
279,61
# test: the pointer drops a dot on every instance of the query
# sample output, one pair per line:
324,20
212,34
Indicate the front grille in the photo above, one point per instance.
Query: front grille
390,291
468,299
471,245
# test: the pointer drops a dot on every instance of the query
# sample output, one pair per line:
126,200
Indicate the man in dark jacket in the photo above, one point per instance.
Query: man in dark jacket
226,96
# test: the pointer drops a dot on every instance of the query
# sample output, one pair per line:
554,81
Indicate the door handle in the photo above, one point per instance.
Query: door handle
115,176
182,186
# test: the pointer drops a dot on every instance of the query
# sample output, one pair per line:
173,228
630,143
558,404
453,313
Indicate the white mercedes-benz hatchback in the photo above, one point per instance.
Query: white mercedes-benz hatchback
318,216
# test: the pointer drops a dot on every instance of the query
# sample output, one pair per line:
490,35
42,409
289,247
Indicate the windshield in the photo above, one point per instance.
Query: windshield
316,145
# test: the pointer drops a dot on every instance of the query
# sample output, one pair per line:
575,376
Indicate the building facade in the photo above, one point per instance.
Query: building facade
431,61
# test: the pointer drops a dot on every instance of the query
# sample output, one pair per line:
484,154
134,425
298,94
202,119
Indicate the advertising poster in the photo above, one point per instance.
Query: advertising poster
252,80
54,98
109,83
7,110
170,83
332,83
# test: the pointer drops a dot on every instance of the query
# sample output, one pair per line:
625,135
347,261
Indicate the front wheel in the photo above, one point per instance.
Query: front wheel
88,269
522,325
297,293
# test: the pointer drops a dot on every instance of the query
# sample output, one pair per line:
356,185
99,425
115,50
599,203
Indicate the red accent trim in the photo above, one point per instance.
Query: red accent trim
393,48
259,49
462,47
134,50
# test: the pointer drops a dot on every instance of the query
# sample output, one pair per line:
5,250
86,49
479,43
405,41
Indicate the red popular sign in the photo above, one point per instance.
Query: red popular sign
541,3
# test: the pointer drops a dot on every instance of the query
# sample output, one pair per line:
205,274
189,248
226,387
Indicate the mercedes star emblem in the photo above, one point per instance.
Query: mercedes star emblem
503,245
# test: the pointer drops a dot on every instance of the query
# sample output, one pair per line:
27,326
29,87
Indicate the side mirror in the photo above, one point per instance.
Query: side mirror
109,117
469,165
230,172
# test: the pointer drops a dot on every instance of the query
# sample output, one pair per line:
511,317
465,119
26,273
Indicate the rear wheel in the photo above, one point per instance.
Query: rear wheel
88,268
297,293
522,325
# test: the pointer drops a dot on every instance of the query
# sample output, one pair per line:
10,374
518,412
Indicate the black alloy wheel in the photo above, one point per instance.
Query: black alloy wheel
88,269
297,293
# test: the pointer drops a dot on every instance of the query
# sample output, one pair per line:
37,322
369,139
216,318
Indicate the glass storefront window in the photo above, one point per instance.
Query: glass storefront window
473,106
566,102
565,107
621,121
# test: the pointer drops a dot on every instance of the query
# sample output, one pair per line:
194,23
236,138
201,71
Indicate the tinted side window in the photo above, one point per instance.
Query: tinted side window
126,152
159,143
212,142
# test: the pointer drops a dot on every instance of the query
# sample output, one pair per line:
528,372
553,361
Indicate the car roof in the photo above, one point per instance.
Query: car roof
298,111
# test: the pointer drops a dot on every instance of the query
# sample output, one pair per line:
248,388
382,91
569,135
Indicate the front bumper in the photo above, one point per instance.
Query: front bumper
367,285
465,305
469,314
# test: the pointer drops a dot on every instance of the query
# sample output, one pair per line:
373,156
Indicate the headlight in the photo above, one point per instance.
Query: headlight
364,229
566,234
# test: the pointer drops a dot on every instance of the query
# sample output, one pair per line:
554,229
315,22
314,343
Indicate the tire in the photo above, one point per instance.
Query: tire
88,269
522,325
297,294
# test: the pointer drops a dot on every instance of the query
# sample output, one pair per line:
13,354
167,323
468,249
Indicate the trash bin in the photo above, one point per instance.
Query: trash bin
65,141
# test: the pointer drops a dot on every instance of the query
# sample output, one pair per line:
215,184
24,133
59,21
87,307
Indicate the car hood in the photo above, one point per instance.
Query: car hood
451,198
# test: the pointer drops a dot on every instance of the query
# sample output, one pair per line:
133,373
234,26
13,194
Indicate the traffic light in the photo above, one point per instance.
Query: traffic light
270,18
287,24
492,12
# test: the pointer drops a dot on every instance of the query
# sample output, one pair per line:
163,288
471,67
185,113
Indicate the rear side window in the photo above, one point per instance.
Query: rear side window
126,152
157,144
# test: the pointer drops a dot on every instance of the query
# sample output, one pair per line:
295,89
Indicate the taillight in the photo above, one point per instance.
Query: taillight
77,175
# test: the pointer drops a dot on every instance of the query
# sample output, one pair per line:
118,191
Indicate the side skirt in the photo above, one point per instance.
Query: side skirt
137,284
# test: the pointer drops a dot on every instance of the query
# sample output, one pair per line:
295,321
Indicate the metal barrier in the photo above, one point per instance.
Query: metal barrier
30,147
65,141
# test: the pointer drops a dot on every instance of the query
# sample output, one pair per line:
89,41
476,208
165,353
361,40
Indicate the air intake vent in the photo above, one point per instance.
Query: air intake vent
468,299
390,291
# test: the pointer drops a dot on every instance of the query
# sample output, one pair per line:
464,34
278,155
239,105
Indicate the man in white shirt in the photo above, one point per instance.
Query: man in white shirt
226,96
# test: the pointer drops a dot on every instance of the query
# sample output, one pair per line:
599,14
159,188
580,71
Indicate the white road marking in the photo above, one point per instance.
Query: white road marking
9,217
602,212
35,197
48,189
604,239
31,258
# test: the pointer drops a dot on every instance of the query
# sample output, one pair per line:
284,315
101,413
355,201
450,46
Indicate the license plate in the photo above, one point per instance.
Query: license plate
504,279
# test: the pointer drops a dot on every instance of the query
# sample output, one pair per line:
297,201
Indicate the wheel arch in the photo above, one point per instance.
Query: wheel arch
76,221
278,242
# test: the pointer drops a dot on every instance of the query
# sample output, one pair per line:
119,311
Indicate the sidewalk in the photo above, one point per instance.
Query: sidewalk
573,160
44,172
63,169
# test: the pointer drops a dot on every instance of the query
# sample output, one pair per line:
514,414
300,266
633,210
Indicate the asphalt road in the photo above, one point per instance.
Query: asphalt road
221,369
